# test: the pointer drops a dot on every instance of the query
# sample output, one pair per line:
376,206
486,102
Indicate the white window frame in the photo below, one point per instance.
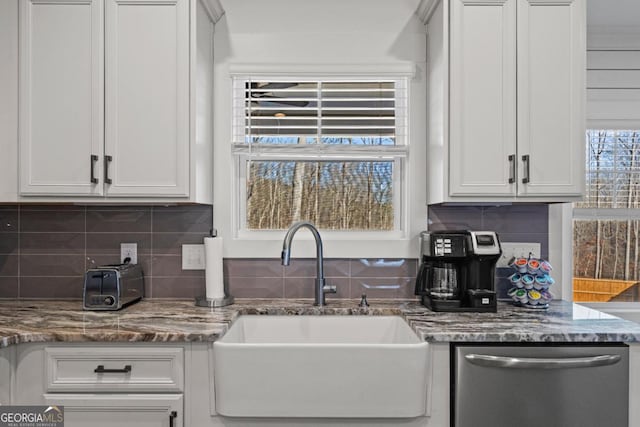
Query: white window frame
400,243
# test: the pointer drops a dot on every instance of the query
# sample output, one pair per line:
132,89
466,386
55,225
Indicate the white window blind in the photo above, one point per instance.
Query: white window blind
613,175
319,116
331,151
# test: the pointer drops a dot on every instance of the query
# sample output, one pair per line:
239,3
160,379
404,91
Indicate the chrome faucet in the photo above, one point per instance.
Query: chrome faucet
321,288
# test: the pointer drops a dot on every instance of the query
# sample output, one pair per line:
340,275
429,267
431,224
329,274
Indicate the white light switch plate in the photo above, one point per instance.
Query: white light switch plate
129,250
193,257
511,250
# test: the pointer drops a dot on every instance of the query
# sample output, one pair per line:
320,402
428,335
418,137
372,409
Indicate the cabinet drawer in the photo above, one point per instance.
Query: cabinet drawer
114,369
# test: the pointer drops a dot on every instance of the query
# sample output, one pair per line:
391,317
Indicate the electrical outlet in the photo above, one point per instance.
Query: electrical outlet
193,257
129,250
515,250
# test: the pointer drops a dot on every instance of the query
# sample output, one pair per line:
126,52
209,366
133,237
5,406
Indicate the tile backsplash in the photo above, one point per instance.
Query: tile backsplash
528,223
45,250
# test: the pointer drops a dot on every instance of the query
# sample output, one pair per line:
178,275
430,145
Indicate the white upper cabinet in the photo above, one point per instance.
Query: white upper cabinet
551,97
147,97
110,105
61,96
512,126
483,97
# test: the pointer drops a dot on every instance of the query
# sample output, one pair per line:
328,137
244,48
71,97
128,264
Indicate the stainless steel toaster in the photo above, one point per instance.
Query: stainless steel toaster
112,287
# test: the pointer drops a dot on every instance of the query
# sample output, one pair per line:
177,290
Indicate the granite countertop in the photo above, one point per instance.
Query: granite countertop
181,321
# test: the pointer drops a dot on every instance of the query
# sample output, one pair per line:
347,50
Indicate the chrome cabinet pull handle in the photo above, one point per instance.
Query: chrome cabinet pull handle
107,160
512,168
172,416
101,370
542,363
526,161
93,161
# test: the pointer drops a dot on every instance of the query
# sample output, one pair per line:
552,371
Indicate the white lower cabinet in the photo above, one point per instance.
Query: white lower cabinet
6,374
108,410
110,384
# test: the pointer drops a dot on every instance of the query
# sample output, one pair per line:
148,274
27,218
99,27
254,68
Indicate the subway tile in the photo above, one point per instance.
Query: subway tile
308,267
455,217
183,219
9,220
93,260
516,218
171,243
382,267
9,265
9,287
171,266
398,287
119,221
52,265
304,287
178,287
109,243
51,287
52,243
256,287
50,207
9,243
52,221
246,267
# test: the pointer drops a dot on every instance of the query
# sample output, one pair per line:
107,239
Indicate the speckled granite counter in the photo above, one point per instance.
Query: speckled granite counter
181,321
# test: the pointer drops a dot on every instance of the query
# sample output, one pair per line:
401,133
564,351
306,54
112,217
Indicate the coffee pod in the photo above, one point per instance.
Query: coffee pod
520,264
550,280
534,297
533,265
545,267
516,280
528,281
540,283
521,295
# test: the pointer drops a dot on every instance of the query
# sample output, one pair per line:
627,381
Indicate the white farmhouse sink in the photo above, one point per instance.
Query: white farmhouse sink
320,366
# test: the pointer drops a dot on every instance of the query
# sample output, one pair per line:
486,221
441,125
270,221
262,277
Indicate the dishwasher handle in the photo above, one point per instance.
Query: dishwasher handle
542,363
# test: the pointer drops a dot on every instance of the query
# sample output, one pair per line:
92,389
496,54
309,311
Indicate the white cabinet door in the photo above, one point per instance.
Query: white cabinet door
482,118
551,97
61,96
147,97
110,410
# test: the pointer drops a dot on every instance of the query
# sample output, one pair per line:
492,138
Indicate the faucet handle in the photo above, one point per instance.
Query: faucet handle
329,289
363,301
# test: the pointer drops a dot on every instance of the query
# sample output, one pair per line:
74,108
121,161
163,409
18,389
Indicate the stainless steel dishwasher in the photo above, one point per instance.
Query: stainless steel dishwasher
497,385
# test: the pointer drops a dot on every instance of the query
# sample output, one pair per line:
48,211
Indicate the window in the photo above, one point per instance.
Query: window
331,151
607,222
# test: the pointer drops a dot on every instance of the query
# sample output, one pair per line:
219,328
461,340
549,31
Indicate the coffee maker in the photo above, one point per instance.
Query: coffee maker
457,270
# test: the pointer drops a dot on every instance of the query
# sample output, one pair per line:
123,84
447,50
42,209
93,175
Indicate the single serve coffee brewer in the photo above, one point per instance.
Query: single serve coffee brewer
457,270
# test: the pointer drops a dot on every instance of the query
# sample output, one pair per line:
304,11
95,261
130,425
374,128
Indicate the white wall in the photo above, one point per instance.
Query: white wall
613,76
8,100
302,33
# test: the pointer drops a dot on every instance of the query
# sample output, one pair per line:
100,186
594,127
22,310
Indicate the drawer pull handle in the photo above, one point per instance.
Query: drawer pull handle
101,370
172,416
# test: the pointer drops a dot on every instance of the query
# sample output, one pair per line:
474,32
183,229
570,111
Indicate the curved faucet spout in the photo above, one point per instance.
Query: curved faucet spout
320,288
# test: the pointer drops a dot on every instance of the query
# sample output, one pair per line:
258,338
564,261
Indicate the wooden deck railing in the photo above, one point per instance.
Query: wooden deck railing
598,290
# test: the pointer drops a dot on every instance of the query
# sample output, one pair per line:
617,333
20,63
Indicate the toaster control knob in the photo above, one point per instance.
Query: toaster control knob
109,301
